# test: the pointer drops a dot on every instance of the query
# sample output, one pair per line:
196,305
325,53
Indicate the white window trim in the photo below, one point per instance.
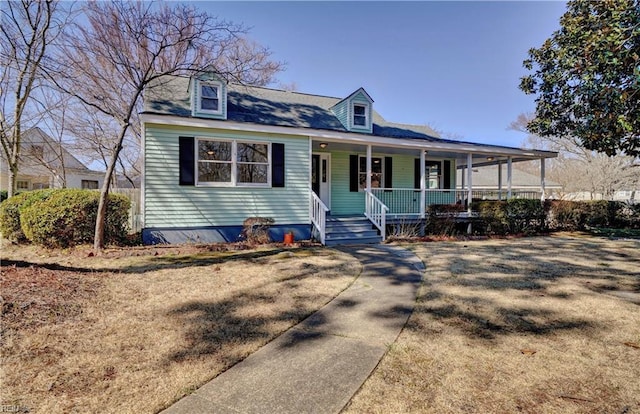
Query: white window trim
440,177
364,157
215,84
234,164
367,120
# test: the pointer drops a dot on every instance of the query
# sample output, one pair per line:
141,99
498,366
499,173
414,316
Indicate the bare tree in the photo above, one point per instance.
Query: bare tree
579,169
27,28
107,64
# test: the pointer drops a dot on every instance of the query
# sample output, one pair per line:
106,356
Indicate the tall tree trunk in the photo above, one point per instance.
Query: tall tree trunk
101,218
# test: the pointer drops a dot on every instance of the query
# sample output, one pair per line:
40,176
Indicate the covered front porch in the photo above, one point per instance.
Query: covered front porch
391,181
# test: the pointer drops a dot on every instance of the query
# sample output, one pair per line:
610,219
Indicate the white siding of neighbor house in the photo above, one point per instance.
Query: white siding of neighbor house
168,204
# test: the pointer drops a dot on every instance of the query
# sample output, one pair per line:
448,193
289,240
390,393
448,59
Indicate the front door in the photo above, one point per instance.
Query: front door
321,177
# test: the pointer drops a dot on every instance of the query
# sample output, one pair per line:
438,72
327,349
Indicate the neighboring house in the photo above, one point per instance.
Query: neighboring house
216,154
628,196
44,164
491,183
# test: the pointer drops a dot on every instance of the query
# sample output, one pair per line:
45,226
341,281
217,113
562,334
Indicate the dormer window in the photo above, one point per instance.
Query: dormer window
355,112
209,101
359,115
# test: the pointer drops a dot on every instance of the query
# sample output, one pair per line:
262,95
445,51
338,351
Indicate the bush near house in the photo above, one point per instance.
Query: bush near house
580,215
11,209
514,216
522,216
62,218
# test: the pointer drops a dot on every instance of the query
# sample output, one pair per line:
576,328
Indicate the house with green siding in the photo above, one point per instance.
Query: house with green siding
329,168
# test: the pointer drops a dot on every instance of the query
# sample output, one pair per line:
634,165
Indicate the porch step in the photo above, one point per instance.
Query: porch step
350,230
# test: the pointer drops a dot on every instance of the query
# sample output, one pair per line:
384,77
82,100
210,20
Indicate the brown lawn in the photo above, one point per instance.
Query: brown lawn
533,325
136,329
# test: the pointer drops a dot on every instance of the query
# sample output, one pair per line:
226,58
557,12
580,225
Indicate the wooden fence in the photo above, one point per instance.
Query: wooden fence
135,214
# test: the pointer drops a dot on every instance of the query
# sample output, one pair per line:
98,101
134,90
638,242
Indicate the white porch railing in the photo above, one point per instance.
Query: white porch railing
376,211
406,201
318,212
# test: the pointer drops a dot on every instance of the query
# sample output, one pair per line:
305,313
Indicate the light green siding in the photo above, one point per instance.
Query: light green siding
341,111
403,166
168,204
342,200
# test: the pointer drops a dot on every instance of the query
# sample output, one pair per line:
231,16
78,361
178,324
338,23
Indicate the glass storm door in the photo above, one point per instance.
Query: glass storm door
321,177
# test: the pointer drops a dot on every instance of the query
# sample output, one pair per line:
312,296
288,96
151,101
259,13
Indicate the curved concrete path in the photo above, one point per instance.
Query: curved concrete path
318,365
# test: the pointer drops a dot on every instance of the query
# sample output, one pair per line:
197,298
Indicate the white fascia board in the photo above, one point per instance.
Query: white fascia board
337,136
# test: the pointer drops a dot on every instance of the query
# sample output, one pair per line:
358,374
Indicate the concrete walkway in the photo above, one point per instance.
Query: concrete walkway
318,365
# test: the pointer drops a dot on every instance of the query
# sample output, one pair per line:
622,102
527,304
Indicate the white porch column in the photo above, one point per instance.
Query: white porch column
368,168
462,177
542,183
423,186
509,175
469,181
499,180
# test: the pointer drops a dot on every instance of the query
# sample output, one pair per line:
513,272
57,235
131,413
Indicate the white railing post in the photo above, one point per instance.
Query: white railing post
509,177
423,186
376,212
319,215
469,181
542,180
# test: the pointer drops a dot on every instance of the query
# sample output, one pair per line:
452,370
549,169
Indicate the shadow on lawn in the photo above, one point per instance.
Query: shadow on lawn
225,329
210,327
153,263
462,292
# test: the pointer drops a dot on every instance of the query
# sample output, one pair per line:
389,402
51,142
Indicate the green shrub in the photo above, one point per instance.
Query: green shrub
492,216
4,194
442,219
597,213
11,210
525,216
68,217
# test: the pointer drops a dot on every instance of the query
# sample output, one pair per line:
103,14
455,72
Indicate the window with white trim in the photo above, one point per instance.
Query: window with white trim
233,163
433,174
360,115
376,172
210,97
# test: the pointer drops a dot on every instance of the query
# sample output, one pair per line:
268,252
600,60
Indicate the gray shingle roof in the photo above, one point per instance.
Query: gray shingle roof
273,107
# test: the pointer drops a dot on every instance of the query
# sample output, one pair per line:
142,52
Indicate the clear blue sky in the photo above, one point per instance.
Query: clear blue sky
453,65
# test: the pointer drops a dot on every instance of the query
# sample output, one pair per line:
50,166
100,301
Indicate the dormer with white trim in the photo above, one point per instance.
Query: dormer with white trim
208,96
355,112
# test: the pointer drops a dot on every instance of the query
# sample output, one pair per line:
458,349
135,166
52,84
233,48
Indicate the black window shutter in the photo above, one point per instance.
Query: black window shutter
277,165
416,173
353,173
446,174
388,172
186,153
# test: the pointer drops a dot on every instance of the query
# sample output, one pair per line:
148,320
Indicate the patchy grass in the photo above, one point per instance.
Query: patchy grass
616,233
136,329
533,325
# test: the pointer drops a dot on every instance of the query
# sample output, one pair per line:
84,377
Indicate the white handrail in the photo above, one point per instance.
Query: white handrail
318,212
406,201
376,211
